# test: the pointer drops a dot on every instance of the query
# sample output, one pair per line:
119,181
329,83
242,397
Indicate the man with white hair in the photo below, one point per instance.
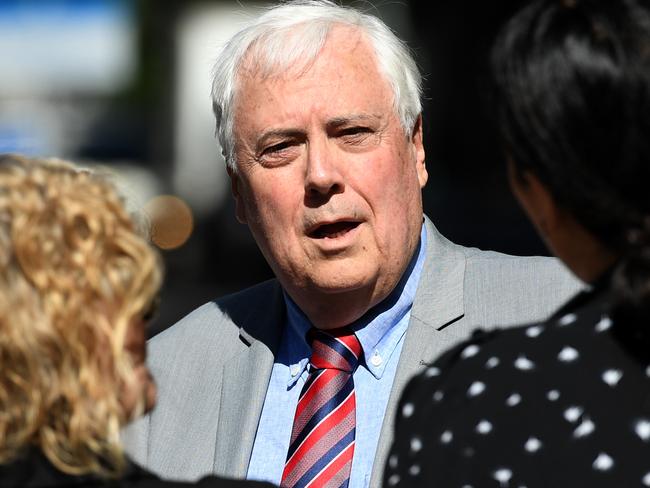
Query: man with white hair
296,380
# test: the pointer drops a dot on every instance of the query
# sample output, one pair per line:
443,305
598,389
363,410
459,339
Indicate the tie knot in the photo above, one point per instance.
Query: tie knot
334,349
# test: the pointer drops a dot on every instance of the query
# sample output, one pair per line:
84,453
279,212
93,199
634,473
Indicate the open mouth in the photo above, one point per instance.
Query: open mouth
334,230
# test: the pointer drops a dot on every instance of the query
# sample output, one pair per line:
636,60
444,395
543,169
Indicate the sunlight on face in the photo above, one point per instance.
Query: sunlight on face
328,181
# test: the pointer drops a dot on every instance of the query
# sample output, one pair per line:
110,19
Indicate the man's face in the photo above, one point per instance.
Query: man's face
327,180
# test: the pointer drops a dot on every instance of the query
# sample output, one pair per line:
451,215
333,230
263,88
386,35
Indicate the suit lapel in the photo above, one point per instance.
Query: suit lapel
438,302
245,381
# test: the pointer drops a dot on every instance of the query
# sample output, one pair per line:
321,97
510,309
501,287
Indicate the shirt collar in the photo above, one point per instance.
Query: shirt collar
298,350
377,330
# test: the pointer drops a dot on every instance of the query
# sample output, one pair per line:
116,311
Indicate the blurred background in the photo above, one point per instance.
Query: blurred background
124,85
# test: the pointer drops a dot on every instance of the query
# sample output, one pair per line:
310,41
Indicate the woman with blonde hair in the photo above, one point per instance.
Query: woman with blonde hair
77,285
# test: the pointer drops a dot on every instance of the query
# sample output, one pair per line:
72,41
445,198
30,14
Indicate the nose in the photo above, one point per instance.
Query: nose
323,176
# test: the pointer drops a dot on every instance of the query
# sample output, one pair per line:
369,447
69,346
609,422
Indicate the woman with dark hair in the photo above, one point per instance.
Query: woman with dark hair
77,286
564,403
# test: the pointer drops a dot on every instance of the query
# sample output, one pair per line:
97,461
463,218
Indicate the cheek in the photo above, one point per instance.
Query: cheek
150,391
391,187
141,390
274,220
394,193
273,203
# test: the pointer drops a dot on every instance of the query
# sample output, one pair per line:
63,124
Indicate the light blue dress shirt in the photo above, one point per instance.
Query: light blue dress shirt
381,333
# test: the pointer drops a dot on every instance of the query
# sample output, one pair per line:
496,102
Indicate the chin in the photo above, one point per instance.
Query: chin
342,281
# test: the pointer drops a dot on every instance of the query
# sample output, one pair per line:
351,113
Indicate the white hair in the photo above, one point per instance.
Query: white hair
296,32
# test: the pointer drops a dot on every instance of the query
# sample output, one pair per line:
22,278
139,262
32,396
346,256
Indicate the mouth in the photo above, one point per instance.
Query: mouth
333,230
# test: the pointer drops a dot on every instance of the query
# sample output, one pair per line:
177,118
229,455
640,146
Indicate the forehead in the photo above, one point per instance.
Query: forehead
343,77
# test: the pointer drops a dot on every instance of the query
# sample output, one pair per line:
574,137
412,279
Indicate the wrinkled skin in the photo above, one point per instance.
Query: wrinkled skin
328,181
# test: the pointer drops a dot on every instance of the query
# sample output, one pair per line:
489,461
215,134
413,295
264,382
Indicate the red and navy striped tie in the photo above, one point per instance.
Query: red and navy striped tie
322,439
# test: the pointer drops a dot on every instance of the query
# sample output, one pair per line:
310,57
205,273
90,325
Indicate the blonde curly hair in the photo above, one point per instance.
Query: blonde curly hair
75,273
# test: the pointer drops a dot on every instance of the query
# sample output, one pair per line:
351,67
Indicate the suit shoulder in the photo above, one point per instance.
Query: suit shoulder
504,289
220,317
522,267
478,255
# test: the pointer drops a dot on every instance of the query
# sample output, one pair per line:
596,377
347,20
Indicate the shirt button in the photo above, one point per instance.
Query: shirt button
376,359
295,369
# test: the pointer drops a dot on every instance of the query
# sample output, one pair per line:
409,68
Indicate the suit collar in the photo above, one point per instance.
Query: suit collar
439,301
441,286
268,310
245,380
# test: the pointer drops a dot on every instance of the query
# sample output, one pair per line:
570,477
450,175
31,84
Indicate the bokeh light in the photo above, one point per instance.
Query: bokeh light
171,219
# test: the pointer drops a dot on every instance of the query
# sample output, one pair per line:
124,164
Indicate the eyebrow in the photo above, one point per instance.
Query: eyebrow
330,124
280,134
354,118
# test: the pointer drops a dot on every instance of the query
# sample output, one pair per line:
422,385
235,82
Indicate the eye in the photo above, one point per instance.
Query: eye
279,153
358,137
276,148
354,131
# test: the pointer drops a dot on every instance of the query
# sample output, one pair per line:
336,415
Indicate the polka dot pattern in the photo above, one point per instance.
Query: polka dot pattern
553,395
446,437
503,475
572,414
585,428
533,444
484,427
603,324
408,409
524,364
603,462
414,470
513,400
642,429
416,444
469,351
431,372
476,388
493,362
568,354
534,331
567,319
612,376
646,479
502,408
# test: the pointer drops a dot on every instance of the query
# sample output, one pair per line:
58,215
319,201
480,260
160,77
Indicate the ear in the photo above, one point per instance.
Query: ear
536,200
240,208
418,147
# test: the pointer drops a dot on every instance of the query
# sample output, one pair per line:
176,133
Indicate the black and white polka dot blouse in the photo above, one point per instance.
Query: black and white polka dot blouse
564,403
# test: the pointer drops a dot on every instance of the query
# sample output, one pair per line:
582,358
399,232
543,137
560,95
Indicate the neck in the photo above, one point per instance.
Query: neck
590,269
583,254
331,311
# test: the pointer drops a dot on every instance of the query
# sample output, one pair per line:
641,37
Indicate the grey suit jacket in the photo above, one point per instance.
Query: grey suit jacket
213,366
